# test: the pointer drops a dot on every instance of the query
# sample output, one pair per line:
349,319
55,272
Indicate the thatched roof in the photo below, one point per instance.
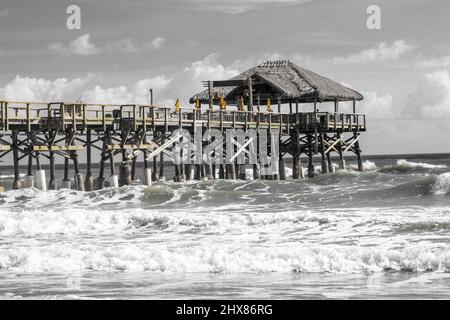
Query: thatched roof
284,80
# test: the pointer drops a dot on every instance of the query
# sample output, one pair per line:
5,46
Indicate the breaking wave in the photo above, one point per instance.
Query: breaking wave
223,259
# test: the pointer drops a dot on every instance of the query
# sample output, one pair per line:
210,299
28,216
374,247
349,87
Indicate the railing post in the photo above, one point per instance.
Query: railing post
166,120
28,118
103,118
153,119
84,116
208,113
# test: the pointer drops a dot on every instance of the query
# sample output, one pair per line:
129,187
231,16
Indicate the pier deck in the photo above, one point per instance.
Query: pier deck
30,130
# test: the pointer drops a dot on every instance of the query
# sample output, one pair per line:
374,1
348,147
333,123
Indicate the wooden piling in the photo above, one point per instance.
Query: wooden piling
89,183
15,146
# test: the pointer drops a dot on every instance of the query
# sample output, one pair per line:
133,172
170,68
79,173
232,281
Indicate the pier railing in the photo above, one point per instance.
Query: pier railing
28,116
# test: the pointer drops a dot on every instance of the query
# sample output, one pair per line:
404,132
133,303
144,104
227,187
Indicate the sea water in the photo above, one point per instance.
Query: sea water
384,233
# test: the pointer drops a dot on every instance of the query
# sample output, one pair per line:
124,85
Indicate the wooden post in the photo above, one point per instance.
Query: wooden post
89,183
79,181
358,153
100,183
66,183
311,170
15,146
342,165
161,160
250,94
324,163
210,95
52,184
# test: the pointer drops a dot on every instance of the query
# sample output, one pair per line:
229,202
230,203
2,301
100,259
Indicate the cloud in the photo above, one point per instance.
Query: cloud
442,62
122,94
123,45
209,69
84,47
7,12
242,6
377,107
80,46
39,89
158,42
431,100
380,52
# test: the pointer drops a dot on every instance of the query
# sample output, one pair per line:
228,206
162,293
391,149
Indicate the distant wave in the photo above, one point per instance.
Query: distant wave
404,166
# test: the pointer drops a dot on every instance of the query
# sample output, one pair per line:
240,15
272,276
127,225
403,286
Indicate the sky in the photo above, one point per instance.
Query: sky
125,47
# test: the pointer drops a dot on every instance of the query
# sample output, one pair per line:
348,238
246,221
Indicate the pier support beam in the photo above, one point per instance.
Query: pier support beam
100,181
324,162
358,153
148,177
113,178
282,169
29,179
52,184
15,146
342,164
89,183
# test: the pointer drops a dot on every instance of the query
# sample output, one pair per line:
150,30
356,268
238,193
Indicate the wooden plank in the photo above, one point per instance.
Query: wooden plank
58,148
128,146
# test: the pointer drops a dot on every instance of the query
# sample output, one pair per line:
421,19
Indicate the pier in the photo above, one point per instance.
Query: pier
263,100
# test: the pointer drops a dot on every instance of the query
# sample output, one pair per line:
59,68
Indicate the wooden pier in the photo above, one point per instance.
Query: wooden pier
118,135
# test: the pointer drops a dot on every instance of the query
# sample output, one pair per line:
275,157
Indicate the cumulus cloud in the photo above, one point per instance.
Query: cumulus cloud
380,52
442,62
7,12
242,6
84,47
39,89
431,100
80,46
158,42
209,69
138,93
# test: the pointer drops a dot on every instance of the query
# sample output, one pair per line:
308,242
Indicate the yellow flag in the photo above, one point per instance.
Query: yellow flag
177,105
197,104
223,103
242,104
269,106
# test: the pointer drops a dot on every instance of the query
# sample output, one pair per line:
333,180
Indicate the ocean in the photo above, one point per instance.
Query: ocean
380,234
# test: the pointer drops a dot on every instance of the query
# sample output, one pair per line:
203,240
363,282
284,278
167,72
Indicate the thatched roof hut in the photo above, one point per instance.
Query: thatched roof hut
280,80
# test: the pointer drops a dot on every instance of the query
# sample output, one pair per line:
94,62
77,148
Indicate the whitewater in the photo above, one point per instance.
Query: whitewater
383,233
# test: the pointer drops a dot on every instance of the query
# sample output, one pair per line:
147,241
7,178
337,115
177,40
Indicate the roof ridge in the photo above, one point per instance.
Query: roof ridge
301,75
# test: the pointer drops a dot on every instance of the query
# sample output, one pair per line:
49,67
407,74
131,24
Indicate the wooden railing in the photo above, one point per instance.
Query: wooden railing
60,115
